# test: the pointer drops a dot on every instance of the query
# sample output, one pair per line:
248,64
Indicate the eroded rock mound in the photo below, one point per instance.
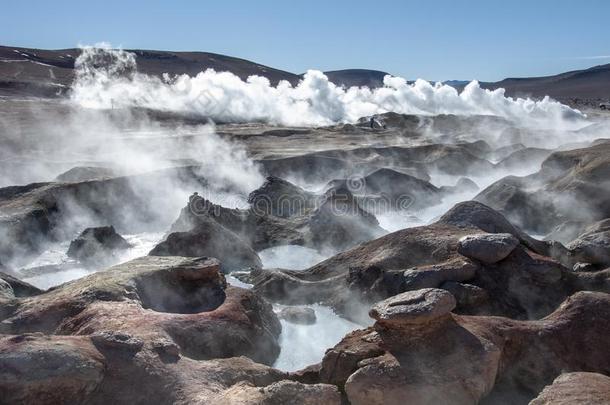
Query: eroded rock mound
391,190
86,173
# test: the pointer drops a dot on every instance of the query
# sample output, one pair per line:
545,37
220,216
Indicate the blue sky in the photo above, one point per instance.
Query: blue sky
433,39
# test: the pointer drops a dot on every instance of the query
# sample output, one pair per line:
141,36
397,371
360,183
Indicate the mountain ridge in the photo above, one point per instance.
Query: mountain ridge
49,73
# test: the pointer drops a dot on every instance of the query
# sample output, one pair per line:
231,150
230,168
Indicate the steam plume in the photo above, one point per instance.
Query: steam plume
108,77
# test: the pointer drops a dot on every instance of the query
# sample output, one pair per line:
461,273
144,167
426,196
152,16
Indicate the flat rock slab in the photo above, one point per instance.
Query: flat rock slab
298,315
413,307
488,248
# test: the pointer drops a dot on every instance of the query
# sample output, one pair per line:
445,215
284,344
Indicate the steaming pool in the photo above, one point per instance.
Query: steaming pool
300,345
54,267
303,345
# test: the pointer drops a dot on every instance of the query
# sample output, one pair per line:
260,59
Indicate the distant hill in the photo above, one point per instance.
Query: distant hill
49,73
592,83
357,77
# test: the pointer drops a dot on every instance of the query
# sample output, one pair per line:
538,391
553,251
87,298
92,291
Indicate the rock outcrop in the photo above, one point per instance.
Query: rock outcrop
169,326
208,238
298,315
419,352
576,388
33,215
390,190
282,214
184,300
593,245
546,199
493,267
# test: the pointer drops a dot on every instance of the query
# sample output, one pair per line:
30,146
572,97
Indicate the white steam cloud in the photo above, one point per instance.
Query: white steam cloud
108,78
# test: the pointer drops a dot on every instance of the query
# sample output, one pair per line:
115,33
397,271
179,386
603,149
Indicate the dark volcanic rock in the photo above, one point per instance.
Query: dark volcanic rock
86,173
545,200
283,214
281,198
33,215
525,284
593,246
36,369
340,222
413,307
463,186
169,326
208,238
298,315
97,244
398,191
416,335
19,288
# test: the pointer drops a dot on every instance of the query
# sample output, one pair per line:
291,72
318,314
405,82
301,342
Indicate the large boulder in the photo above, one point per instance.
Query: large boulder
100,244
593,245
413,307
418,352
183,300
208,238
487,248
40,369
418,338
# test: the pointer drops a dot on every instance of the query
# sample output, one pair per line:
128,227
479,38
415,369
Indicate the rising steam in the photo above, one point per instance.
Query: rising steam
108,78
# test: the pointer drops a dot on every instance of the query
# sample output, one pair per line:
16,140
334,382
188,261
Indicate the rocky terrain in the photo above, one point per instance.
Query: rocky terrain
153,256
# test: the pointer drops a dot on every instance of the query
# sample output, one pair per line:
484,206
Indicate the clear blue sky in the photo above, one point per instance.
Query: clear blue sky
432,39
